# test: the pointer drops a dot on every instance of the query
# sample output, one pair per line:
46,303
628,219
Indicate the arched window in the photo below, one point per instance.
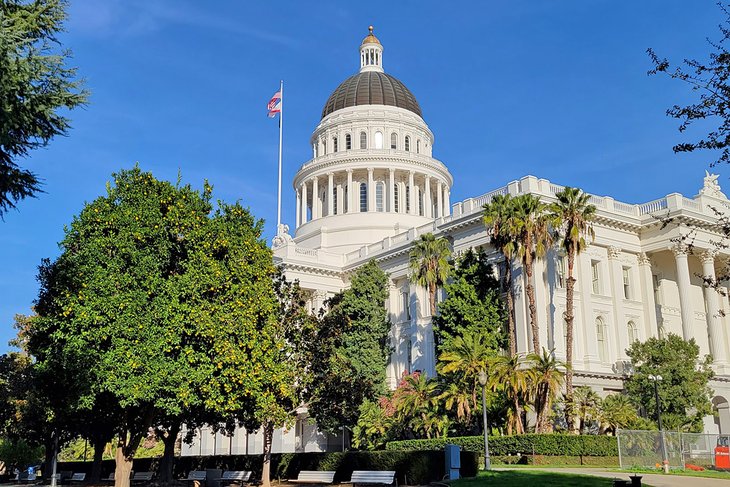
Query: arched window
363,140
601,339
334,200
393,140
334,144
378,140
633,332
379,196
396,197
418,146
408,198
409,356
324,147
408,143
363,197
348,142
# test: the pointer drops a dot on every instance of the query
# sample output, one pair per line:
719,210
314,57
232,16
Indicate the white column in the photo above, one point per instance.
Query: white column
299,208
304,202
541,301
427,197
439,199
683,282
617,284
391,190
349,191
522,316
340,199
315,198
713,309
330,192
587,322
647,296
447,201
412,195
371,190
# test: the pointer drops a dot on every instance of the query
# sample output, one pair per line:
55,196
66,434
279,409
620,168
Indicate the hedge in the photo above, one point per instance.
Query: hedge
555,460
411,467
530,444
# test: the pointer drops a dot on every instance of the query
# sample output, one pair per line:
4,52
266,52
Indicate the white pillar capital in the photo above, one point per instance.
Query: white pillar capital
707,256
679,248
643,259
614,252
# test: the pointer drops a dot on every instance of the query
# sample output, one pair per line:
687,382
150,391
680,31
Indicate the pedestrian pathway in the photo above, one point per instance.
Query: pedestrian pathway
654,480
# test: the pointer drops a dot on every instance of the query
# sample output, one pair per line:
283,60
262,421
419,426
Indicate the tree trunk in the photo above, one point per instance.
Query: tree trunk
519,427
123,464
98,442
48,446
169,438
569,317
266,471
432,298
510,309
533,308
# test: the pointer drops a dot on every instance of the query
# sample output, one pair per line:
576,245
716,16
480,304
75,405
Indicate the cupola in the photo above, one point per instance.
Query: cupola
371,53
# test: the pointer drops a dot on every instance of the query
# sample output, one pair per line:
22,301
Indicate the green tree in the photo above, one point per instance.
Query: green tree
472,304
374,427
350,351
586,407
497,216
684,394
36,87
548,375
572,215
617,411
530,224
418,404
509,376
430,266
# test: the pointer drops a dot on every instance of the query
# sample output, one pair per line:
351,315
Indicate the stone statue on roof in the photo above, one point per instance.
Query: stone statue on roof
711,187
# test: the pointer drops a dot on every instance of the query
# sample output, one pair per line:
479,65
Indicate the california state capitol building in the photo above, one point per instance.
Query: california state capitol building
373,187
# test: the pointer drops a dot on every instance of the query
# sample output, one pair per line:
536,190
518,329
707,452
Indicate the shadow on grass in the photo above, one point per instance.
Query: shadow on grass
521,478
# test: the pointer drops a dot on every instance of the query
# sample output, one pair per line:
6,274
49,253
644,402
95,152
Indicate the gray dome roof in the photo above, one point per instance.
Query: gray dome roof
371,88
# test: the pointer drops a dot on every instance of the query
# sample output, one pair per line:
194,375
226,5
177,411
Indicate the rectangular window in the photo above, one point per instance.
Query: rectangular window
655,281
363,197
396,197
406,302
334,144
363,140
595,276
627,282
379,200
560,271
408,199
334,200
348,142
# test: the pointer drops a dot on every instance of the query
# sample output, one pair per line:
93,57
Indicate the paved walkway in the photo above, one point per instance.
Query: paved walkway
652,479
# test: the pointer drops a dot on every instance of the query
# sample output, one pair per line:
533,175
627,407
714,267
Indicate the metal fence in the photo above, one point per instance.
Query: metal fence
646,449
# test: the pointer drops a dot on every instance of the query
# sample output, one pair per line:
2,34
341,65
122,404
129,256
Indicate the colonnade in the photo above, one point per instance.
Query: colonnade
372,190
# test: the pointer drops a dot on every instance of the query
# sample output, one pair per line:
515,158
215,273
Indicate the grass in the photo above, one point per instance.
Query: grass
522,478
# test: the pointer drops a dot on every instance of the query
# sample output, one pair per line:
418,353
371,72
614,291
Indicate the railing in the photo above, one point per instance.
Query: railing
556,188
652,206
307,252
690,203
401,237
624,208
487,198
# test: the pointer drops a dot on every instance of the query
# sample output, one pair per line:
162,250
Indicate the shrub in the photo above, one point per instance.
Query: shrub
562,460
19,454
531,444
411,467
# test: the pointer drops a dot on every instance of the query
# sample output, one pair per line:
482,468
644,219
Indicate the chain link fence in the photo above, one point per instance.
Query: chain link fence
647,449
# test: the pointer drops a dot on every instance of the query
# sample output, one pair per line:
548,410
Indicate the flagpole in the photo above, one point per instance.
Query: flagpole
281,128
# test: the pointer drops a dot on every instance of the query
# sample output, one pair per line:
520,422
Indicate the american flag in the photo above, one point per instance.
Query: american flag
274,105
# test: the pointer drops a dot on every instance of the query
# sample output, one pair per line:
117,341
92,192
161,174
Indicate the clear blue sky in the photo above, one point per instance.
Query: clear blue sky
556,89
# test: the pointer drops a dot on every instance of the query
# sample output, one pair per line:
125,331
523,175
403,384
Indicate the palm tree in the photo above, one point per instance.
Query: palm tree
430,266
548,378
419,402
515,381
531,224
497,218
572,215
586,403
616,412
459,396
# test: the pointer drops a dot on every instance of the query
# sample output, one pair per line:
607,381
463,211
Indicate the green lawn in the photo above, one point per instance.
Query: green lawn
532,478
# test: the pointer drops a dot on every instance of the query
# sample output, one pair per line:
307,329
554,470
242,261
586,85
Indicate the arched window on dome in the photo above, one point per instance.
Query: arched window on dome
334,199
363,197
418,146
324,147
408,143
334,144
380,196
363,140
601,340
396,197
378,140
393,140
633,332
348,142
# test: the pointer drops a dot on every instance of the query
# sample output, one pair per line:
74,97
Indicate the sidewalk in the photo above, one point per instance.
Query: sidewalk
652,479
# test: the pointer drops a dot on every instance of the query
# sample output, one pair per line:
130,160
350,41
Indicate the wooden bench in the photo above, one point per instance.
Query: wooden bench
314,477
198,476
142,477
77,477
380,477
236,477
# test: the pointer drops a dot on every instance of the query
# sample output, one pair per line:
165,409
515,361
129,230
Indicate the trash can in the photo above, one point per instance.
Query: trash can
453,462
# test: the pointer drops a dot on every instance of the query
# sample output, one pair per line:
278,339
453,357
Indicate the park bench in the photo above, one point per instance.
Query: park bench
109,479
77,477
235,477
314,477
379,477
142,477
196,477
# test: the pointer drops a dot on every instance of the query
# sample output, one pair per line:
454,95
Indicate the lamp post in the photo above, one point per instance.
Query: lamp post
665,460
483,383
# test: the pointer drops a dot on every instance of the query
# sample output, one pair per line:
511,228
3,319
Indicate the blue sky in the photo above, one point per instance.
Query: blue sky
509,87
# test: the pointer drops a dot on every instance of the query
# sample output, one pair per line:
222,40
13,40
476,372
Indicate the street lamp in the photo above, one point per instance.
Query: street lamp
483,383
665,461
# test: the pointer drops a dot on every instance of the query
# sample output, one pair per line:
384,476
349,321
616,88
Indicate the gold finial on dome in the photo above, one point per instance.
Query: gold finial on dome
370,37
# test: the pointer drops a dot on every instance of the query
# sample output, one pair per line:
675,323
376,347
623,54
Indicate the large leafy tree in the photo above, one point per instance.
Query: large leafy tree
572,215
684,394
36,87
350,350
430,266
472,304
530,224
497,217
